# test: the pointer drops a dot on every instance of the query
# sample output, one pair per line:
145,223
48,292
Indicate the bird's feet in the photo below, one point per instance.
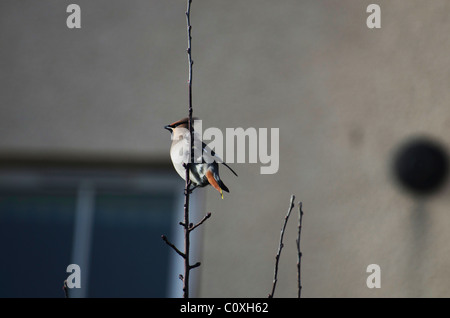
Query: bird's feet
190,190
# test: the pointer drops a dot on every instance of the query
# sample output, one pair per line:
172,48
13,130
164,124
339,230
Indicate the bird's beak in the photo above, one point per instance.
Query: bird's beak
168,128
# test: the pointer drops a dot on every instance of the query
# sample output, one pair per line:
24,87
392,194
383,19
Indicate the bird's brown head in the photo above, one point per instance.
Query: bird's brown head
182,123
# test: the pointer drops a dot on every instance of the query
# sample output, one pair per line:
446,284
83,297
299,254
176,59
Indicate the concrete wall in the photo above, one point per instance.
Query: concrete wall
344,97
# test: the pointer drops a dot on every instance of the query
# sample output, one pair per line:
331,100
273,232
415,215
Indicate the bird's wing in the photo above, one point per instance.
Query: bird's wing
206,154
212,156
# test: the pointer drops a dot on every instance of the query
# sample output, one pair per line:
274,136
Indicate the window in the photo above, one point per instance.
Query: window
108,222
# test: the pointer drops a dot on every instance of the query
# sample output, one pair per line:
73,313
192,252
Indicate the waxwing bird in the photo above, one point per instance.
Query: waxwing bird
205,169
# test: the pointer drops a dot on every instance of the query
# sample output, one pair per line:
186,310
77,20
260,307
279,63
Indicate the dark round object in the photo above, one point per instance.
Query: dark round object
421,166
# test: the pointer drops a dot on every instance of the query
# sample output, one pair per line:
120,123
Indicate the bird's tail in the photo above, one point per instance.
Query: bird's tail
215,181
223,186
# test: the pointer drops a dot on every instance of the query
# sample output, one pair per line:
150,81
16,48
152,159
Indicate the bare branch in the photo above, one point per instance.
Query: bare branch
280,246
195,265
173,246
66,289
207,216
188,227
299,253
187,267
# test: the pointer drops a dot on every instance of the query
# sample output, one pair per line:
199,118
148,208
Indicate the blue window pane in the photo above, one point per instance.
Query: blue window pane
128,257
35,243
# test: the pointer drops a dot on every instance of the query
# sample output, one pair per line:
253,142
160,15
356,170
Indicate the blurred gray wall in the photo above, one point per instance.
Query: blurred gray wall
344,97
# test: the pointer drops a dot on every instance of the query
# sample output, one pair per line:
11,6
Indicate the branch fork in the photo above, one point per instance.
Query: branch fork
281,245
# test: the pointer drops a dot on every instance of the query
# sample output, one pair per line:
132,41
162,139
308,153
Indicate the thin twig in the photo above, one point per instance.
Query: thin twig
66,289
207,216
192,226
187,266
195,265
173,246
280,246
186,239
299,253
188,227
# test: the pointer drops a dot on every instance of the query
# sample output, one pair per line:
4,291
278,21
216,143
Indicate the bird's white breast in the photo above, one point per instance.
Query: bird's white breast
180,154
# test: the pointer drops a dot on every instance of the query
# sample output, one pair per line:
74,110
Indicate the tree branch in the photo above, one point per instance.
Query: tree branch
280,246
195,265
187,267
193,227
188,227
299,253
173,246
66,289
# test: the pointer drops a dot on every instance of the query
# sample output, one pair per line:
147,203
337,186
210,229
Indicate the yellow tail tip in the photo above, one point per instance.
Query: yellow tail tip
221,193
